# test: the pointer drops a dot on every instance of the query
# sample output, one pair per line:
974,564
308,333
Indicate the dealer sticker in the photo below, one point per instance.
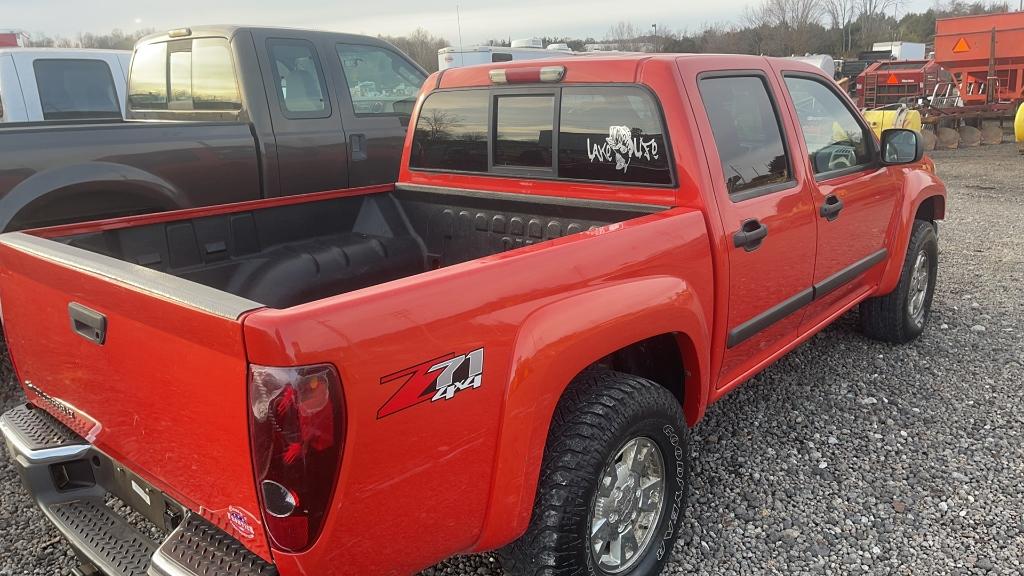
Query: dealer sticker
240,521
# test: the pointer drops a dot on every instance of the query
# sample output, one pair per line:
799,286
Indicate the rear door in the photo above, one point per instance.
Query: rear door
377,88
854,197
157,384
312,152
765,206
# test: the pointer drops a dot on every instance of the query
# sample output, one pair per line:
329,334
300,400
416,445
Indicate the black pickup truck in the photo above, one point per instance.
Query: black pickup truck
215,115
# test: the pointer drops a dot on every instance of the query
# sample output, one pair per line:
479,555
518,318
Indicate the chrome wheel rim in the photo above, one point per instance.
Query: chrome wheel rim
628,505
918,288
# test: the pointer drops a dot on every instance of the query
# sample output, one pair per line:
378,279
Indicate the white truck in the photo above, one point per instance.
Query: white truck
39,84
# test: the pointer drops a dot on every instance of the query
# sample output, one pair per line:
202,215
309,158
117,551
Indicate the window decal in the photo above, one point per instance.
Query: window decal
621,146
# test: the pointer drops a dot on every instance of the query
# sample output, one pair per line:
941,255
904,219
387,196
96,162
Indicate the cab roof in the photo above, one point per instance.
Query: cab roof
617,68
230,30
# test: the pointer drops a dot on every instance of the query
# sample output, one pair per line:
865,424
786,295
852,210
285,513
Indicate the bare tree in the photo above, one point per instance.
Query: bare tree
421,46
626,36
842,13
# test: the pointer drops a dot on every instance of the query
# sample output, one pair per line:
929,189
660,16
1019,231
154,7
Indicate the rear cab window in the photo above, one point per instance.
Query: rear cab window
195,74
76,88
607,133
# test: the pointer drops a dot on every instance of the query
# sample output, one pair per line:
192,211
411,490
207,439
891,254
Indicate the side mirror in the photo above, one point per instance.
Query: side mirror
901,146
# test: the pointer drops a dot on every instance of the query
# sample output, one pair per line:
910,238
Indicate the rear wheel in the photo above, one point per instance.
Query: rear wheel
613,482
900,316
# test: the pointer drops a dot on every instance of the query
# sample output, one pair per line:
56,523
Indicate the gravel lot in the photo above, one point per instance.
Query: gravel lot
848,456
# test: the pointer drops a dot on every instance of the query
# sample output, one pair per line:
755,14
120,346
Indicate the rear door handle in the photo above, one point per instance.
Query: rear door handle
357,147
750,235
831,208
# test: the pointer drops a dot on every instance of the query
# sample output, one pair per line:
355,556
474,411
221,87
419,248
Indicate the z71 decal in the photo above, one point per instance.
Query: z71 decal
433,380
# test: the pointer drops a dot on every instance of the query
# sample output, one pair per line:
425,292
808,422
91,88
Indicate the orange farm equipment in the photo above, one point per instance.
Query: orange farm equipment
898,82
985,56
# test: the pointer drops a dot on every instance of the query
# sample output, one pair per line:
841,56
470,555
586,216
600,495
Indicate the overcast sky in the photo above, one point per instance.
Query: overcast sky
481,19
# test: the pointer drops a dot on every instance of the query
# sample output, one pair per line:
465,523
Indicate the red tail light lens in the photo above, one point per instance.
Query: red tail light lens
296,421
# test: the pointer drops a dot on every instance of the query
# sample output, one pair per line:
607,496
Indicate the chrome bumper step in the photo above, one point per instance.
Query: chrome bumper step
41,446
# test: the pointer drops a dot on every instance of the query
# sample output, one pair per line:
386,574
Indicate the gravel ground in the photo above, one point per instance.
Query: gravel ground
848,456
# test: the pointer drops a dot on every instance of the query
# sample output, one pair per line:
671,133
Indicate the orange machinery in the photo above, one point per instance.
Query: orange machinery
985,55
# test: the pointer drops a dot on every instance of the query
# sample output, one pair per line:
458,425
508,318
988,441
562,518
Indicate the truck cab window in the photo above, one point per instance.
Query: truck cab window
451,132
180,65
380,81
613,134
214,86
747,133
76,89
524,128
835,140
300,81
184,75
147,88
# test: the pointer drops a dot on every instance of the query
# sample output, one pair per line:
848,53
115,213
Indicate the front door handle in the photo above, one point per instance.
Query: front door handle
357,147
750,235
831,208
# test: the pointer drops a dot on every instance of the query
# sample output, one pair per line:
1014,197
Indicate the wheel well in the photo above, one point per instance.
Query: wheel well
931,209
658,359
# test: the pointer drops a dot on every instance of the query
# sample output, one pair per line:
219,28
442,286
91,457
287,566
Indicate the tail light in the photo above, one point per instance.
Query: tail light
296,421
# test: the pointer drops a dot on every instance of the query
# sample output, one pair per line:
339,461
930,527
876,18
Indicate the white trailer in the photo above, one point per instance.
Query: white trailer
528,49
901,50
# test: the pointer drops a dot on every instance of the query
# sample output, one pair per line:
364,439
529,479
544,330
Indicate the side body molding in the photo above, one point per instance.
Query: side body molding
557,342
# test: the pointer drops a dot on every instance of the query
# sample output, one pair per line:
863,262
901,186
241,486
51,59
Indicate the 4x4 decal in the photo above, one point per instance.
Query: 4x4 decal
433,380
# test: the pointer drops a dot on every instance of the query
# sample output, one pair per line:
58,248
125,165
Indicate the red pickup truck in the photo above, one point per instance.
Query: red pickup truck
502,351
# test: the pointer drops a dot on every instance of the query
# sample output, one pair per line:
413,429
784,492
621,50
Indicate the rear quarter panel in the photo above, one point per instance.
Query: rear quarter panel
440,478
52,174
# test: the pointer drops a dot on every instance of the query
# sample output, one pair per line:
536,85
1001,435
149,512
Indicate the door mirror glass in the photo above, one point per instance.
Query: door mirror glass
901,146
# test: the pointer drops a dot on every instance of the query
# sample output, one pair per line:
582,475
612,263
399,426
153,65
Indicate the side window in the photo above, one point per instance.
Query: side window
835,140
501,57
76,89
147,88
747,132
612,134
523,129
451,132
300,80
381,82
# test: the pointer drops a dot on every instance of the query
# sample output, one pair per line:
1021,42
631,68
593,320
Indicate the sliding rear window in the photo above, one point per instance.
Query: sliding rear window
596,133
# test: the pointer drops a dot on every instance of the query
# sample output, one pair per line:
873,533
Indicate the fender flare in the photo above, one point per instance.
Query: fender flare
920,185
86,178
557,342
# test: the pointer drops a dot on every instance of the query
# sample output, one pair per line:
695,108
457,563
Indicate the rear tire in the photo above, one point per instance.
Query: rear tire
901,315
612,436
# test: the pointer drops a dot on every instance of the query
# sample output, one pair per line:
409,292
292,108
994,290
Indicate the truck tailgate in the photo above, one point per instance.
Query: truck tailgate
158,382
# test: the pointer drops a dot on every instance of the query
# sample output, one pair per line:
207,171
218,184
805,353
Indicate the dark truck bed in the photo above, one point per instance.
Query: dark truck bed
288,255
